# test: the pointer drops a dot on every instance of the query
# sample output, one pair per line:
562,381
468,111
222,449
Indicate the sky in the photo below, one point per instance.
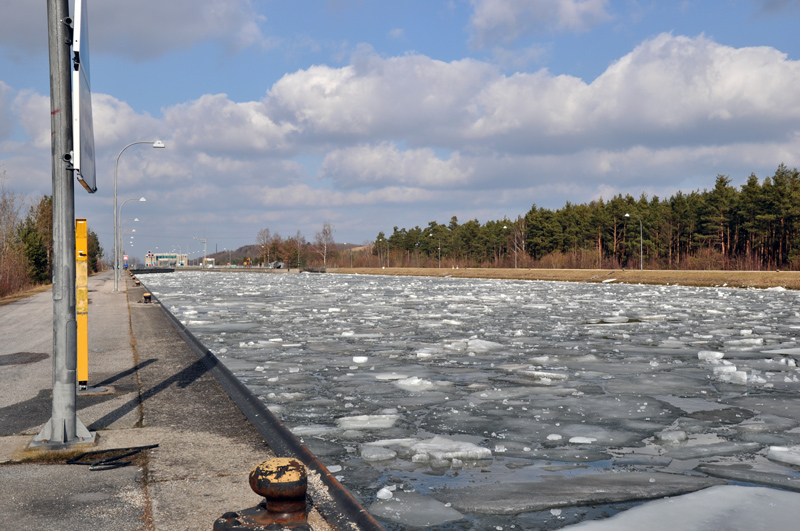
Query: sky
371,114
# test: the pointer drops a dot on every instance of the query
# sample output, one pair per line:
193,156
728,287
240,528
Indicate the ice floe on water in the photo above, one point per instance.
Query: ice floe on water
476,404
731,508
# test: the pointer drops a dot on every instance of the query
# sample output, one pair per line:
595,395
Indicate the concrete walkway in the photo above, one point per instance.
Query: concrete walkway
158,393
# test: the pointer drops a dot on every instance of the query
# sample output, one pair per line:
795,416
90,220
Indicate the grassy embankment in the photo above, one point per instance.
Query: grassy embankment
734,279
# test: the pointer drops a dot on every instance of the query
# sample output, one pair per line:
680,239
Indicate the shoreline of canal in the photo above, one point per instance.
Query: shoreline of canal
731,279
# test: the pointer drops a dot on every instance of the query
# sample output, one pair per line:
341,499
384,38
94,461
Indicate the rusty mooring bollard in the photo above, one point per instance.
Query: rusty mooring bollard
147,298
136,283
283,483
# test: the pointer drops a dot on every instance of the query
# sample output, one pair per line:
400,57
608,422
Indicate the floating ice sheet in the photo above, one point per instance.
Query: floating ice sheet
731,508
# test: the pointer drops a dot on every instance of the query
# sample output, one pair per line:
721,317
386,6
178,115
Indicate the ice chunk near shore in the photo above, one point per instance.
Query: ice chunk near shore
587,489
443,448
723,507
377,453
785,455
582,440
708,356
481,345
414,384
367,422
414,509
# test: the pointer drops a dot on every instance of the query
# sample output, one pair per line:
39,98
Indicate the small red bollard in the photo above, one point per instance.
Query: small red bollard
283,483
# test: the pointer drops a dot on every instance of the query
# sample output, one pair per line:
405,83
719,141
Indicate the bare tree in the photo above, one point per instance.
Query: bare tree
13,274
264,240
323,242
299,241
520,233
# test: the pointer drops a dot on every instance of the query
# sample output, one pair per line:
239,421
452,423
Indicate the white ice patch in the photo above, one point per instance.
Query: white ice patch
377,453
480,345
412,509
415,384
443,448
384,494
786,455
367,422
708,356
582,440
722,507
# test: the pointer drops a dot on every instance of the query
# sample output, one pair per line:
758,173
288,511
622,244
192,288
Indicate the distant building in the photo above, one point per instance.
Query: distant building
165,259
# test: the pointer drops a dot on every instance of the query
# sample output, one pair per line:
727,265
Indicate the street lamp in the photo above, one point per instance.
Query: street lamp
123,223
117,226
641,262
155,144
440,249
505,227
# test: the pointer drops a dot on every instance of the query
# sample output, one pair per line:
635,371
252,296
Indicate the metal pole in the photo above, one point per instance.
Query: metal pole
63,428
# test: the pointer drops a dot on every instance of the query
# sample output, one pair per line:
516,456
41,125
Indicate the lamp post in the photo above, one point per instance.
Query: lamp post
117,226
204,241
121,232
641,260
440,249
155,144
505,227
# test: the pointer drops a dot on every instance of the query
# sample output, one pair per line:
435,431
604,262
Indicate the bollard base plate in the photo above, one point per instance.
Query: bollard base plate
258,518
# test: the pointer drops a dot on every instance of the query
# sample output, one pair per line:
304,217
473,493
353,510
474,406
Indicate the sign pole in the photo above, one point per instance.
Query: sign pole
63,429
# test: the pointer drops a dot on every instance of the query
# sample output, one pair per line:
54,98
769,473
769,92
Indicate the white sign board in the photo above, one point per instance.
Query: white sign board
82,127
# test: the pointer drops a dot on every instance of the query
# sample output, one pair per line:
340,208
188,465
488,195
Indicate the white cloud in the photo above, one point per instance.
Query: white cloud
668,91
384,165
141,29
116,124
215,124
496,21
32,111
411,96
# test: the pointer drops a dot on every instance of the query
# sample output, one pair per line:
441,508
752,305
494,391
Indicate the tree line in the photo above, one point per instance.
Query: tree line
753,227
26,242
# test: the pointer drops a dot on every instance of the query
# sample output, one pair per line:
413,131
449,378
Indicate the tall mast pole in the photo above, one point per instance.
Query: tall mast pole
63,428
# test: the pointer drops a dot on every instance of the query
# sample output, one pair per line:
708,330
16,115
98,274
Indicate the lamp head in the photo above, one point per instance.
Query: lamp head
159,144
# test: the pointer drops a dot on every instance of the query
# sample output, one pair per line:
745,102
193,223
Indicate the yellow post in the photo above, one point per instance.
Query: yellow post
82,301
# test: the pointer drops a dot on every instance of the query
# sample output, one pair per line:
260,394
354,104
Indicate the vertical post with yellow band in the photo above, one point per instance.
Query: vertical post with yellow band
82,300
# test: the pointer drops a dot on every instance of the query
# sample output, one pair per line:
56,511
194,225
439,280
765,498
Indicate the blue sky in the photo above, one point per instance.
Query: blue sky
369,114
